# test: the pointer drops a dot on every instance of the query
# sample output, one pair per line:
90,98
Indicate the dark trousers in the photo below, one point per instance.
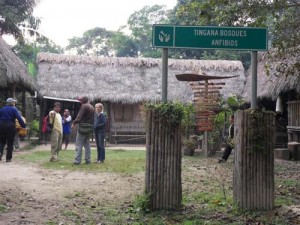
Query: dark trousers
7,136
66,139
227,152
100,136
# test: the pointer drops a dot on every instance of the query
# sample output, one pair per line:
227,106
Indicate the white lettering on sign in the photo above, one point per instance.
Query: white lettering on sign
206,32
221,33
224,43
233,33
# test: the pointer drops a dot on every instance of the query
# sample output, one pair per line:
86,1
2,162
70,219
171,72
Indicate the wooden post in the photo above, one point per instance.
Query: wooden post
163,163
253,179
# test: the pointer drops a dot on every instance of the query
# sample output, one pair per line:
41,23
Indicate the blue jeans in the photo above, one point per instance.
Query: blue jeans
100,136
83,140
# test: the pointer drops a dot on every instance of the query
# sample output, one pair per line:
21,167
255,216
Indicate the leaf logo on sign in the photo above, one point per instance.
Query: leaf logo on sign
164,37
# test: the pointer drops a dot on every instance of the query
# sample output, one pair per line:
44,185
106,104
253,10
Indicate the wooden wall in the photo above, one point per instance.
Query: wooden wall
294,121
127,123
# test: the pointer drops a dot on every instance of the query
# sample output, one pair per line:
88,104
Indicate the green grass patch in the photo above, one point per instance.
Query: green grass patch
117,161
3,208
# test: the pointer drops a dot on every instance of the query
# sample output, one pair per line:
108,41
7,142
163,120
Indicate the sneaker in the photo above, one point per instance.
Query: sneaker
76,163
53,160
88,162
221,161
8,160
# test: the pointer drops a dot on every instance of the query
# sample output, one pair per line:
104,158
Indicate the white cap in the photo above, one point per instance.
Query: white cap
9,100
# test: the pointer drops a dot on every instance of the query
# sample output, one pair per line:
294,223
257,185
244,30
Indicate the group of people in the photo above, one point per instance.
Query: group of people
88,121
93,120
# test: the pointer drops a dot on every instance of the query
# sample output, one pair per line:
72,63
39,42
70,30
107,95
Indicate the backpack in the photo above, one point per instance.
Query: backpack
46,125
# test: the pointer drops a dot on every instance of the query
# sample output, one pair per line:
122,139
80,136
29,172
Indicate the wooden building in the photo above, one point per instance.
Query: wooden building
123,85
278,89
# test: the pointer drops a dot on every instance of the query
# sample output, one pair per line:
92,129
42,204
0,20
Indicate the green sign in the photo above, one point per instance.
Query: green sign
230,38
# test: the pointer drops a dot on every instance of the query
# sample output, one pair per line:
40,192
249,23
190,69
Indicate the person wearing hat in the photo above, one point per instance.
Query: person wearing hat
85,117
8,115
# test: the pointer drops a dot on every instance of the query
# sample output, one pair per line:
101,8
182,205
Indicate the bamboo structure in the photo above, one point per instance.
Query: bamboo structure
163,162
253,180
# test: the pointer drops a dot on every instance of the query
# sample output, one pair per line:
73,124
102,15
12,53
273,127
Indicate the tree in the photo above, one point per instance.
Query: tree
123,45
282,17
27,51
102,42
92,42
15,14
140,25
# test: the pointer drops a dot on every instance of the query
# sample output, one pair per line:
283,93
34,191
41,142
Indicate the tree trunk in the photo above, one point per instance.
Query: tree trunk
163,163
253,180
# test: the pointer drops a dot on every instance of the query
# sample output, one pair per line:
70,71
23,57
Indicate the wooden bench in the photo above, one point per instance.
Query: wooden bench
126,137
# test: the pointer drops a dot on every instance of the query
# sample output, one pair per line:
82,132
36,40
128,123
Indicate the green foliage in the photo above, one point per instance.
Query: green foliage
140,25
101,42
188,120
173,111
233,103
32,69
141,204
34,125
27,51
94,42
221,121
13,14
3,208
281,17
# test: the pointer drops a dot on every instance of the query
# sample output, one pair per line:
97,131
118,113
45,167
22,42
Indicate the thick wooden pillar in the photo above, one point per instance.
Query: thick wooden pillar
163,162
253,179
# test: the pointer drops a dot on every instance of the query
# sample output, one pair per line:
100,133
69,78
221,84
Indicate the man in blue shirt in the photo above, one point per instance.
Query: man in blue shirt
8,116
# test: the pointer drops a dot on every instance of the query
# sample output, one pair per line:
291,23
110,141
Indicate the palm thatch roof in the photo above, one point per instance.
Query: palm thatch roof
275,75
12,70
126,80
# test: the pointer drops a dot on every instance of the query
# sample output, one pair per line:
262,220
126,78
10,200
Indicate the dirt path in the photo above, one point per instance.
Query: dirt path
34,195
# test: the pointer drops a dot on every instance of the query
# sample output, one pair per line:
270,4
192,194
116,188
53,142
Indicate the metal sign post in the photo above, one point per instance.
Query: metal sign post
164,84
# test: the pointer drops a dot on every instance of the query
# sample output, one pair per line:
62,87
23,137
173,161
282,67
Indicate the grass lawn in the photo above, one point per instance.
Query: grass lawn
117,161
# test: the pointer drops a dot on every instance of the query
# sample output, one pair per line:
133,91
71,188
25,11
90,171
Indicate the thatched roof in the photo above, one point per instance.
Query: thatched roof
126,80
275,75
13,70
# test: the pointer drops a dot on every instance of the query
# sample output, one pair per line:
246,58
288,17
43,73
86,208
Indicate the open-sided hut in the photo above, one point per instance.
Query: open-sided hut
124,84
14,77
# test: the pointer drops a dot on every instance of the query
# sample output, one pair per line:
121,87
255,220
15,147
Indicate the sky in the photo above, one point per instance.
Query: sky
64,19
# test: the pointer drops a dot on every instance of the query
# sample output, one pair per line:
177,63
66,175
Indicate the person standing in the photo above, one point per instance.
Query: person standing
66,122
99,130
230,141
85,117
56,132
8,116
